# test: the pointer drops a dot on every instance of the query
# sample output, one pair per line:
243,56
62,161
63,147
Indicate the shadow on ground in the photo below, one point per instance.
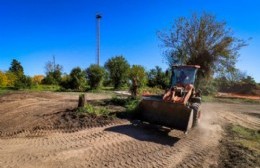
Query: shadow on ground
145,133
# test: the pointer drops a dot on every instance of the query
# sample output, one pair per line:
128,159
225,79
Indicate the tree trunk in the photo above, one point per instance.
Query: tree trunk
81,100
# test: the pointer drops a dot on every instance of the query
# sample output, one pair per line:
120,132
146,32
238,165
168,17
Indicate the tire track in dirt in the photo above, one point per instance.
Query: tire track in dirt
101,147
118,144
115,145
242,119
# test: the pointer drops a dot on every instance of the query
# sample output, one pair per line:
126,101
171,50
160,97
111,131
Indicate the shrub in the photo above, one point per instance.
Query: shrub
90,109
131,104
3,79
118,70
158,78
95,76
138,78
23,82
37,79
207,87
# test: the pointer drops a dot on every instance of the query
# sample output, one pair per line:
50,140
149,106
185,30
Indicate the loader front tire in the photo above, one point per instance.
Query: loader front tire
196,113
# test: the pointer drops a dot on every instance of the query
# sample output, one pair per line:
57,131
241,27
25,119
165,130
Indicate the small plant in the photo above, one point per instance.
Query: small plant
132,105
129,103
90,109
119,101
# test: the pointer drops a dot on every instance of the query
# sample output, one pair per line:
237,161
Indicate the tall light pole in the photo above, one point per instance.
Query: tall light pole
98,17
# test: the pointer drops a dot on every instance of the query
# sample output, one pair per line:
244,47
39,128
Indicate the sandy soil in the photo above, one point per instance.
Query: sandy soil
30,138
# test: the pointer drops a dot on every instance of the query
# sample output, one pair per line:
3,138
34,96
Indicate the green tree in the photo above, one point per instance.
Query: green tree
156,77
16,68
11,78
248,80
21,81
3,79
201,40
53,73
95,75
138,78
66,81
77,79
107,80
118,68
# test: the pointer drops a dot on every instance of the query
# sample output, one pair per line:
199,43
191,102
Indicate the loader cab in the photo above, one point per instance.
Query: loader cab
183,75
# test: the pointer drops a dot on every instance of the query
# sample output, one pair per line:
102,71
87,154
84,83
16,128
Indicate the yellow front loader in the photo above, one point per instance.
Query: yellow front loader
178,108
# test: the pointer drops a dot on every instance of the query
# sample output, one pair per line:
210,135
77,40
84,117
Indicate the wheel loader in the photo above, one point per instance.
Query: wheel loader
178,108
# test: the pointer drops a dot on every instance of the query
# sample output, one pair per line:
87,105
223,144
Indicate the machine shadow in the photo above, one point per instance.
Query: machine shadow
145,132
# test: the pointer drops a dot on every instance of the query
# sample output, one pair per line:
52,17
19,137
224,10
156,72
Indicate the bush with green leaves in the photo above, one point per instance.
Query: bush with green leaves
207,87
117,68
90,109
95,76
131,104
138,78
53,73
65,83
237,82
76,80
16,68
21,81
158,78
3,79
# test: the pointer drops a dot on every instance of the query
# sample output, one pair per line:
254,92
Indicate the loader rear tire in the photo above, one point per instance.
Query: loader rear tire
196,113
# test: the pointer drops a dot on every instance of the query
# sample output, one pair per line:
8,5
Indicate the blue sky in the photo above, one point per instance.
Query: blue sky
32,31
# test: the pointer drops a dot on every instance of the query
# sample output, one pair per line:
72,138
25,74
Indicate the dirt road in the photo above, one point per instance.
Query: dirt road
30,138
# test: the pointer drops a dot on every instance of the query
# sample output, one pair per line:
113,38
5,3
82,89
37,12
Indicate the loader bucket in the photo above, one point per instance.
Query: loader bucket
172,115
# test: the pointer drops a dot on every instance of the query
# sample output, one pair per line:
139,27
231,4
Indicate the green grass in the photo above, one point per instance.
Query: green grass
229,100
33,88
107,88
90,109
45,88
129,103
4,90
246,137
132,105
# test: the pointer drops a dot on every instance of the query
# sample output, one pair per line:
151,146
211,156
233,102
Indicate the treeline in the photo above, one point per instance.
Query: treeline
15,77
118,73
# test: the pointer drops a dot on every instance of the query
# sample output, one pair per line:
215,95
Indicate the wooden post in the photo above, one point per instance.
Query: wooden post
81,100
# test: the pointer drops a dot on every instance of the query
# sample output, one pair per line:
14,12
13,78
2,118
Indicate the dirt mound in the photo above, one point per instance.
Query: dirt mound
71,120
33,112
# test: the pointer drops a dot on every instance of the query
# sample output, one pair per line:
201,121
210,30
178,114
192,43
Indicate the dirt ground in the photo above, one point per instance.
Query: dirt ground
35,131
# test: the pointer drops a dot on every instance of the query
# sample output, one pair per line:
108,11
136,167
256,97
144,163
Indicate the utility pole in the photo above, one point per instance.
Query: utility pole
54,64
98,17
